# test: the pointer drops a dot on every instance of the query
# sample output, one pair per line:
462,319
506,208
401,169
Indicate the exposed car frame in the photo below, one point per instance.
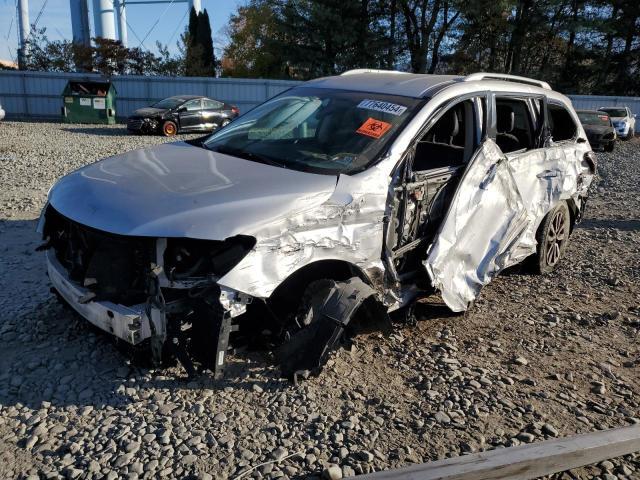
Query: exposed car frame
301,252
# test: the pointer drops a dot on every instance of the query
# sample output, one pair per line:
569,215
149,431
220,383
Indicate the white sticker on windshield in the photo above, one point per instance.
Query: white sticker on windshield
386,107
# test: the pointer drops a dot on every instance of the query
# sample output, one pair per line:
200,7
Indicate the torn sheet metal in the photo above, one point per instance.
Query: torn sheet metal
347,227
492,221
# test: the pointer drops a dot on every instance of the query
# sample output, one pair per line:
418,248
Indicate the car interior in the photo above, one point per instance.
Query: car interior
513,125
449,142
562,125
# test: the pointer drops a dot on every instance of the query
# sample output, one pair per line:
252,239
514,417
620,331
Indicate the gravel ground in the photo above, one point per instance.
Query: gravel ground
535,358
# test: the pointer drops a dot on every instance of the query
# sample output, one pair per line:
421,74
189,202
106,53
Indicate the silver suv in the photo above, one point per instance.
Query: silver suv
347,196
624,121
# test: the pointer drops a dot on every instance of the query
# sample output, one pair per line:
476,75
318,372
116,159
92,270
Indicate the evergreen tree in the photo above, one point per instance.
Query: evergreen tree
199,57
204,39
189,39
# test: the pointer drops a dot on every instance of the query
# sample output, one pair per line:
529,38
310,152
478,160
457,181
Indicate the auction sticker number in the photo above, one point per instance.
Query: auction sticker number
374,128
386,107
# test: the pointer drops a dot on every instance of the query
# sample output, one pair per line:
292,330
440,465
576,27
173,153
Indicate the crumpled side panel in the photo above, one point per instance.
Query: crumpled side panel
347,227
495,213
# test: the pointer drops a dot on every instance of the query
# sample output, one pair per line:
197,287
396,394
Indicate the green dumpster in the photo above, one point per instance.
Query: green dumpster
89,101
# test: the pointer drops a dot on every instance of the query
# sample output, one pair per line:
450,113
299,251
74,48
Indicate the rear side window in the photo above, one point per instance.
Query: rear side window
212,104
193,105
514,126
561,123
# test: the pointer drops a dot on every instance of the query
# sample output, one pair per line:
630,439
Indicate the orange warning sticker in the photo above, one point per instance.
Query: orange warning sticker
374,128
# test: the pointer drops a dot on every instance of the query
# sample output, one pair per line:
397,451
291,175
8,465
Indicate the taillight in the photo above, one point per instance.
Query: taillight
235,109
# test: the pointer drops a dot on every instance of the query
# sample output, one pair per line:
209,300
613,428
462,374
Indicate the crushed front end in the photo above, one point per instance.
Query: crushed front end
157,291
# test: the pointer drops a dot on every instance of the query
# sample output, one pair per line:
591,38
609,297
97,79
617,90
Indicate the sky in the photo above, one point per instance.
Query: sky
56,18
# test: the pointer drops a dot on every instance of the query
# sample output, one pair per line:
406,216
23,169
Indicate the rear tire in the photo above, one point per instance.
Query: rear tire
169,128
552,237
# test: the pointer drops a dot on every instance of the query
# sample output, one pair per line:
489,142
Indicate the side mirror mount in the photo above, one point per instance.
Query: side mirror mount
182,109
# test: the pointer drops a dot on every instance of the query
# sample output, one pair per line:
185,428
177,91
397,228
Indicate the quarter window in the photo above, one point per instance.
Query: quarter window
561,123
211,104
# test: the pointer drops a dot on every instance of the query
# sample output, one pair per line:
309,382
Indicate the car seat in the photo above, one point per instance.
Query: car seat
505,138
437,150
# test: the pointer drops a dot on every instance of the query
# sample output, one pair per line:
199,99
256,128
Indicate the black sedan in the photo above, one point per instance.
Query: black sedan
599,129
182,113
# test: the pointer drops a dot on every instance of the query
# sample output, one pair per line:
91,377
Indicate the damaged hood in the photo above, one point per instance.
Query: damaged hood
180,190
149,112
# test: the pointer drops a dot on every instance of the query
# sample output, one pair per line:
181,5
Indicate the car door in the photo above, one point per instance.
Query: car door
431,171
518,175
494,213
212,113
190,115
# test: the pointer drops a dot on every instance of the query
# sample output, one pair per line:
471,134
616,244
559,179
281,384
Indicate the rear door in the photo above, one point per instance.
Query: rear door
212,113
485,219
191,115
518,175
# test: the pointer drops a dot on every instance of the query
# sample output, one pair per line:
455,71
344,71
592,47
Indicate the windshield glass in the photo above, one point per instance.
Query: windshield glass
317,130
171,102
590,118
615,112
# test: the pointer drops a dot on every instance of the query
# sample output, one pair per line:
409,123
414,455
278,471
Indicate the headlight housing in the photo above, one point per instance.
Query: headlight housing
189,258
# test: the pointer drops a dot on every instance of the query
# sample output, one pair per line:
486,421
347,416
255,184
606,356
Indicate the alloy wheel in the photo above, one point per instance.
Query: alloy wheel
556,236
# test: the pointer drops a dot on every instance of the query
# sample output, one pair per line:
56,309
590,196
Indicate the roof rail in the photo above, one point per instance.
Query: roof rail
508,78
369,70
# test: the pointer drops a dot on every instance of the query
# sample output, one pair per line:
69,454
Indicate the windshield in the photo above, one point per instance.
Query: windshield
590,118
169,103
317,130
615,112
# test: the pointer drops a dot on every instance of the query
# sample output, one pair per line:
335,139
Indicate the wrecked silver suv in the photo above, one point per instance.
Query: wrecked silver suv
348,194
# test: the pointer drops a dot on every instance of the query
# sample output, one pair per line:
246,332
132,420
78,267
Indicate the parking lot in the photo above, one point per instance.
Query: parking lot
535,358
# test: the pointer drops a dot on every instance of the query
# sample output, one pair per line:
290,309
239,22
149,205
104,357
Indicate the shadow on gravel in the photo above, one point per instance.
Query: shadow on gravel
623,225
56,356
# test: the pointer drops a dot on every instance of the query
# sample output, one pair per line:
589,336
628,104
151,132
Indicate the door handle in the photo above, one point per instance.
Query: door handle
548,174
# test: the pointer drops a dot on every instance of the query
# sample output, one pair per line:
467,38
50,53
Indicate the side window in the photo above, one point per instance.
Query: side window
561,123
514,126
193,105
451,141
211,104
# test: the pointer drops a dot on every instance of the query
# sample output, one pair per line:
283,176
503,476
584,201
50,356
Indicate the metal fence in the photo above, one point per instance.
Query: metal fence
593,102
39,94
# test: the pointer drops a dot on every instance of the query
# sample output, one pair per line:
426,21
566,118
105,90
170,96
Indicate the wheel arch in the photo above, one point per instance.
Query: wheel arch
294,285
574,211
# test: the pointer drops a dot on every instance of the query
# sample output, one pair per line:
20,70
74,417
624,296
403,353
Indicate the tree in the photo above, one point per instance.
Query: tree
199,56
253,49
108,57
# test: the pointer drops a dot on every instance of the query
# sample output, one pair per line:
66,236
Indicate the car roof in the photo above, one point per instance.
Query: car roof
420,85
186,97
